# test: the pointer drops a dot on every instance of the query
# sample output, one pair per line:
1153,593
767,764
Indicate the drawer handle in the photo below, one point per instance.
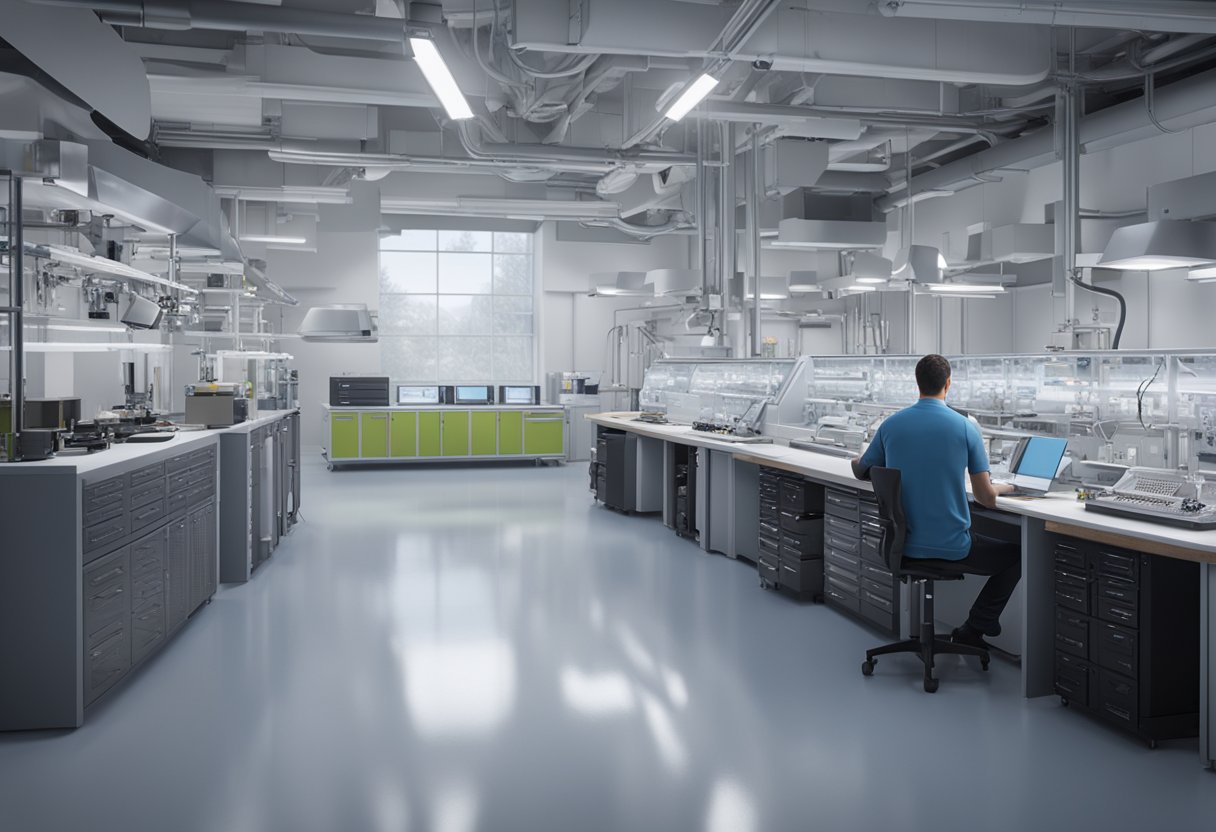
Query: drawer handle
1080,645
149,615
1119,712
100,649
1117,637
101,579
152,512
106,596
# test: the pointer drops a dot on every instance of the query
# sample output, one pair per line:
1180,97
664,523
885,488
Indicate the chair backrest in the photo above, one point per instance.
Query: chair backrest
888,491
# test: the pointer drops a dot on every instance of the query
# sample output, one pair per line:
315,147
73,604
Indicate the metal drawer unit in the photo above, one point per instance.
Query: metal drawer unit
791,535
857,577
1126,638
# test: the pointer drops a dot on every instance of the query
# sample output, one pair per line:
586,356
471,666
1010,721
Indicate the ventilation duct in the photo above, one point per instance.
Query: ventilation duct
683,282
1018,243
339,322
1164,244
829,234
624,284
804,281
919,264
1157,16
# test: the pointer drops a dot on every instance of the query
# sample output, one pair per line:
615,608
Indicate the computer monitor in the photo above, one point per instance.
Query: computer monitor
473,394
407,394
1038,462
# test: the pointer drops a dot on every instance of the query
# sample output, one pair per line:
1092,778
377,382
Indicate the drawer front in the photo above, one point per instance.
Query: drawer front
106,588
884,589
845,580
803,575
106,533
841,543
147,627
148,556
877,614
770,547
176,503
1072,633
841,528
1117,699
147,588
149,515
1118,602
1070,556
867,507
797,542
206,455
840,504
845,563
141,495
1119,565
104,500
1072,590
177,463
770,530
770,513
202,473
1072,679
178,481
807,525
1117,649
839,596
107,659
879,601
147,474
795,496
768,567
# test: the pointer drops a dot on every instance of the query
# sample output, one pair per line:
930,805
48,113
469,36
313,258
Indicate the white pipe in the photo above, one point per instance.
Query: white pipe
1158,16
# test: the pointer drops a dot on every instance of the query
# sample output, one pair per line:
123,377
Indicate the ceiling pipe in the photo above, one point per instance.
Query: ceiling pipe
1184,104
392,161
540,153
1188,16
229,16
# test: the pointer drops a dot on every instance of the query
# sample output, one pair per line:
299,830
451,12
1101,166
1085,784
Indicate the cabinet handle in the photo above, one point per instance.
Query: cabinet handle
101,579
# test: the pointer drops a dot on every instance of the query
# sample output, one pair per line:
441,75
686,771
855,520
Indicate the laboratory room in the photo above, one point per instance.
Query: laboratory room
606,416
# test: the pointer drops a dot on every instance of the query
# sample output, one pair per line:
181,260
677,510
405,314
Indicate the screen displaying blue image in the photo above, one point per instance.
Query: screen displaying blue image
472,394
1042,457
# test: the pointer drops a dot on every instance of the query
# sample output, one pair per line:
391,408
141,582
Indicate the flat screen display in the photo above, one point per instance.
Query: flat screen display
472,394
517,395
1042,456
417,395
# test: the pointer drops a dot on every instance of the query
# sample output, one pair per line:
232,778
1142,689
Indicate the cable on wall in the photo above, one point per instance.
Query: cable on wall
1100,290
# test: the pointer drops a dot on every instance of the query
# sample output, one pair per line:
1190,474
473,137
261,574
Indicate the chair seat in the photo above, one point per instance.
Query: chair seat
938,570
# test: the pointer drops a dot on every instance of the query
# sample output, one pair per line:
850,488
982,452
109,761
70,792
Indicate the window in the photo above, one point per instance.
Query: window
457,306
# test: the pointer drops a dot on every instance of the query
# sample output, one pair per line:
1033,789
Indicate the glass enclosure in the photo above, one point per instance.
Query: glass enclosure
709,390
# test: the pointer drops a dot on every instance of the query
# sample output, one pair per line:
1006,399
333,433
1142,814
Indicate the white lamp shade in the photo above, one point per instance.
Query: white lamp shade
919,264
830,234
804,280
621,284
772,287
675,281
338,322
1158,245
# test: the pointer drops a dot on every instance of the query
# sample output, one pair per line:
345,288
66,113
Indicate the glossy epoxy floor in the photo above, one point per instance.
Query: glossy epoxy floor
460,649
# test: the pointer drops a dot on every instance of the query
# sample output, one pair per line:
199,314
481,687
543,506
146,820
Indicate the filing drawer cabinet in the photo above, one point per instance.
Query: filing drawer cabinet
791,535
858,580
1126,636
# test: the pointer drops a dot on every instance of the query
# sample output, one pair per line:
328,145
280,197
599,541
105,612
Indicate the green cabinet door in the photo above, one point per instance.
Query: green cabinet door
428,433
374,428
343,435
485,433
456,433
403,434
544,433
510,432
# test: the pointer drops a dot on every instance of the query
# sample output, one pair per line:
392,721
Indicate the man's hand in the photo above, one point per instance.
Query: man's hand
985,491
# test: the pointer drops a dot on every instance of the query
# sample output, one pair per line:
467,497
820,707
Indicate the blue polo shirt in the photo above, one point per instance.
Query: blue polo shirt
932,446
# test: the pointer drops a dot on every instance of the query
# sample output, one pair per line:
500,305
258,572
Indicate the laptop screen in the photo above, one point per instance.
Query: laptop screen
1042,456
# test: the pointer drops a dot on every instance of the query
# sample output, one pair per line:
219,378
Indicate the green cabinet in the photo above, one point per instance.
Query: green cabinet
484,433
374,430
343,435
403,434
456,433
544,433
510,432
428,433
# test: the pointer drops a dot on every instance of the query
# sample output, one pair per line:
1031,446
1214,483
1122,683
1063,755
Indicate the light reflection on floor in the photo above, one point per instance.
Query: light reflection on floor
483,649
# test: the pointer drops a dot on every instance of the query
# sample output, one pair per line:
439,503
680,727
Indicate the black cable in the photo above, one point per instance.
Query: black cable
1141,390
1122,307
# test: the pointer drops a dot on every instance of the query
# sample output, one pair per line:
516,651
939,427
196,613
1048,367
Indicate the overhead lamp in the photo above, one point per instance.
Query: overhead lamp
437,74
919,264
271,238
675,281
966,288
339,322
829,234
858,288
692,96
1207,274
622,284
772,287
804,280
1161,244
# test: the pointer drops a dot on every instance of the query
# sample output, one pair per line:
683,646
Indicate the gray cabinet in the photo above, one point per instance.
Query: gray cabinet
178,571
107,635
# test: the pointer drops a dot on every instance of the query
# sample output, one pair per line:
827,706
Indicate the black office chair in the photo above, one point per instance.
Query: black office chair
927,644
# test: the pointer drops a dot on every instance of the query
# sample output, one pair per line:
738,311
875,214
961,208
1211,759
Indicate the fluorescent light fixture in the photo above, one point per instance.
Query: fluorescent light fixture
1158,245
919,264
772,287
437,74
692,96
830,234
271,238
967,288
1207,274
109,329
870,281
858,287
622,284
805,280
675,281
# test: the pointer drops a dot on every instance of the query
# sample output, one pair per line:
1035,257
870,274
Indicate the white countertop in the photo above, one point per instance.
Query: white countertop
1061,508
133,454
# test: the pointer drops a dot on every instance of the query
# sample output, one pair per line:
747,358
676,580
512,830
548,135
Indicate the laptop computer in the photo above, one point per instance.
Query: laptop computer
1034,466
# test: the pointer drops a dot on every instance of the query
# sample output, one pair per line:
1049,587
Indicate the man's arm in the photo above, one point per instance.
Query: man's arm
985,491
874,455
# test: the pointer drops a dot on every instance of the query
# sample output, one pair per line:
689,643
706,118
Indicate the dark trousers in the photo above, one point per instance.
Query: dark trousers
1002,561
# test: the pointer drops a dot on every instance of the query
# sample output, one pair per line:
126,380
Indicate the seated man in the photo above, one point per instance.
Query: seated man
931,445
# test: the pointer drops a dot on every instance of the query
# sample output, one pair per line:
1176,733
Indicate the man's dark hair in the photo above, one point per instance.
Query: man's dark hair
932,372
